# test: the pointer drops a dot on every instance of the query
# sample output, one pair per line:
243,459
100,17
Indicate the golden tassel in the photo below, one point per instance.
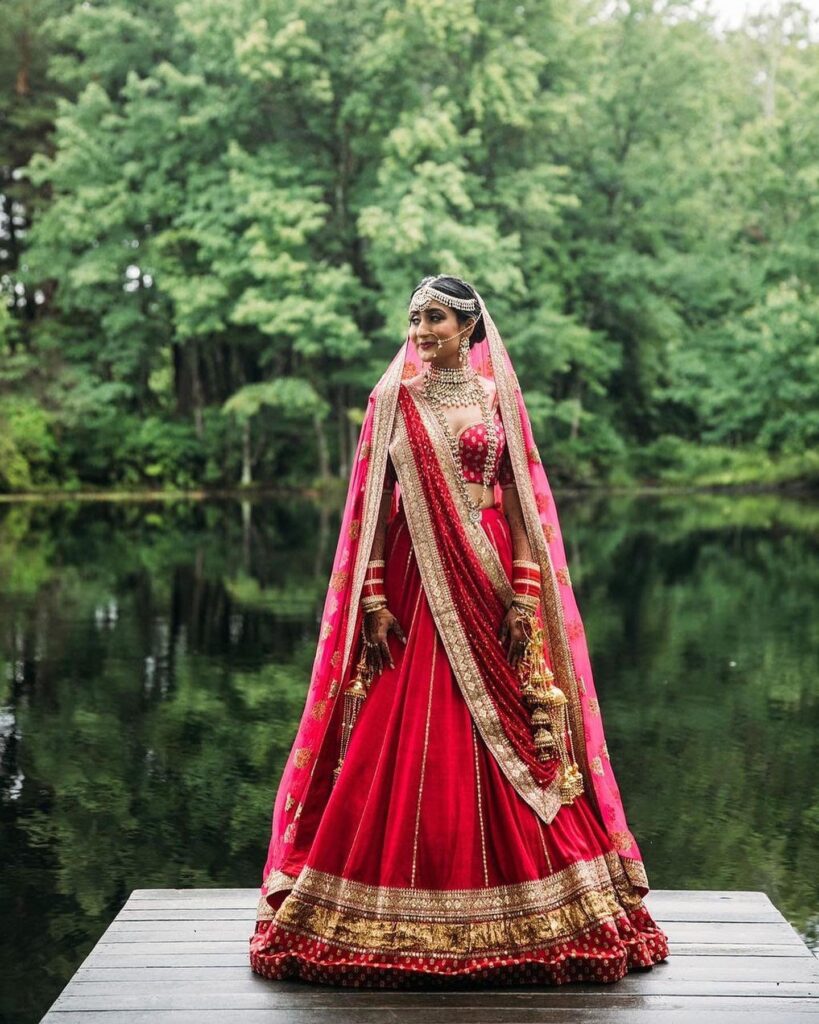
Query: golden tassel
353,699
549,709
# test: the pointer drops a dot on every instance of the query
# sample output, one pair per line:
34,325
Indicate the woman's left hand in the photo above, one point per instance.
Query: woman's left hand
512,634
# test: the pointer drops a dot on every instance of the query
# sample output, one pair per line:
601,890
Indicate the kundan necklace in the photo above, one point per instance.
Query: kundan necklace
446,386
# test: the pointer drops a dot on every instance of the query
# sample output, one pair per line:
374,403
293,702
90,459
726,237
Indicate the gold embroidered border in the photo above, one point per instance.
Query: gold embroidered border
485,550
545,800
635,871
276,881
475,904
401,928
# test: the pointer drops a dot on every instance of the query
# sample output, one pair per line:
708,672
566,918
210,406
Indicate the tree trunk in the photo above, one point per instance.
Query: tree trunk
323,451
343,438
247,459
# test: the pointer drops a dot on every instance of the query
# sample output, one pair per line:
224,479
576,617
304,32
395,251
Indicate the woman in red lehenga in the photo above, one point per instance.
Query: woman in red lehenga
448,812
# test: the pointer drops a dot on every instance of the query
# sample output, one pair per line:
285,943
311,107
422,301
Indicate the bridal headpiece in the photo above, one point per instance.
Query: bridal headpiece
426,293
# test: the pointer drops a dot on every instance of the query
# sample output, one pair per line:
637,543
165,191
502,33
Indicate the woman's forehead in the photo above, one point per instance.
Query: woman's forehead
432,304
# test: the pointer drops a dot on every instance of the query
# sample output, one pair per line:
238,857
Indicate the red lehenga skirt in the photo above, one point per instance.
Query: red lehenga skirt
426,866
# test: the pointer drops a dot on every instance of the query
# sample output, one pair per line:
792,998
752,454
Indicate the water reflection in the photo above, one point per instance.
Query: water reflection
156,657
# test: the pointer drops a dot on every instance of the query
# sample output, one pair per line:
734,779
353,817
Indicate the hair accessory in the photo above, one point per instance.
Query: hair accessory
426,293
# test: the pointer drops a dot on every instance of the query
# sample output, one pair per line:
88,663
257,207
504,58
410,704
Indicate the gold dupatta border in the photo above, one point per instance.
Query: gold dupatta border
551,606
475,532
385,402
545,800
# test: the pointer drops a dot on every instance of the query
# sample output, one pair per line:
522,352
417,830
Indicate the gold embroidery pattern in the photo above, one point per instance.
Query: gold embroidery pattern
288,803
457,923
326,630
604,750
355,526
289,833
621,840
594,705
318,709
264,912
575,629
301,758
333,688
534,454
581,682
278,880
545,800
542,502
597,766
423,758
365,450
563,576
297,815
602,872
635,871
338,580
480,803
545,851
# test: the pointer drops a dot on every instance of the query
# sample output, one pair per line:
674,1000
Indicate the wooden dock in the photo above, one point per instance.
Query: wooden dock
180,956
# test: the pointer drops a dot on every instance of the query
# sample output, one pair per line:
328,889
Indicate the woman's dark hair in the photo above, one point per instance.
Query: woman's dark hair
458,289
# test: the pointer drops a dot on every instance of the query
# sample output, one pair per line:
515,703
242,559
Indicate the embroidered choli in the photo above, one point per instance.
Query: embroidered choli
474,450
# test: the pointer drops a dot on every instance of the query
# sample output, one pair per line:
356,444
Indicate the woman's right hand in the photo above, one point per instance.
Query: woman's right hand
377,625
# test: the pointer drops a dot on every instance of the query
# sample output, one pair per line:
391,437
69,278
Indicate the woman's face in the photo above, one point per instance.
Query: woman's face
437,323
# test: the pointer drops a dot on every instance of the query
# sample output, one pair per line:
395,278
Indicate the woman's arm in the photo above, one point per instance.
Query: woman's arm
521,548
512,629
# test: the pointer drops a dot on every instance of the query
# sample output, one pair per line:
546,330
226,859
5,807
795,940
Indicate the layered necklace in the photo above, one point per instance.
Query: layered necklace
447,387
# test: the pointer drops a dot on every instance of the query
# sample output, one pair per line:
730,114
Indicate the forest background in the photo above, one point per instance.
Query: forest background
213,212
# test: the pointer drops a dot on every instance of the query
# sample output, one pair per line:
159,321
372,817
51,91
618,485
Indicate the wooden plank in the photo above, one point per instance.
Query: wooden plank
729,968
116,997
291,992
649,1011
179,956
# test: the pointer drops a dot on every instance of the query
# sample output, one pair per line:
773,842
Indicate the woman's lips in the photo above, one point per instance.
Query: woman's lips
426,344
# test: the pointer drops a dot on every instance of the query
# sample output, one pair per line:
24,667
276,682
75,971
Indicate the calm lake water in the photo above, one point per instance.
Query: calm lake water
156,659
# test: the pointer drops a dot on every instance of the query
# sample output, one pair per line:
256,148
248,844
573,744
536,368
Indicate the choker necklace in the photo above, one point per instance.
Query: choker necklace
453,385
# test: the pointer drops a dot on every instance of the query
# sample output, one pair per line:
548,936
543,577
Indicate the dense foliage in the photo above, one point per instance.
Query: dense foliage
213,212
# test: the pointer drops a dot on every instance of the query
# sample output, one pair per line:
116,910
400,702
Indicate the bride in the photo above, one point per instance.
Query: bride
448,812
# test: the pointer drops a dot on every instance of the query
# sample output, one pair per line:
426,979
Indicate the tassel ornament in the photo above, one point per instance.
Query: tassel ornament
549,710
353,699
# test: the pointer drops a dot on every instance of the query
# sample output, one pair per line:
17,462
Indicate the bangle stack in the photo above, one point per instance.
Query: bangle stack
526,584
373,594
